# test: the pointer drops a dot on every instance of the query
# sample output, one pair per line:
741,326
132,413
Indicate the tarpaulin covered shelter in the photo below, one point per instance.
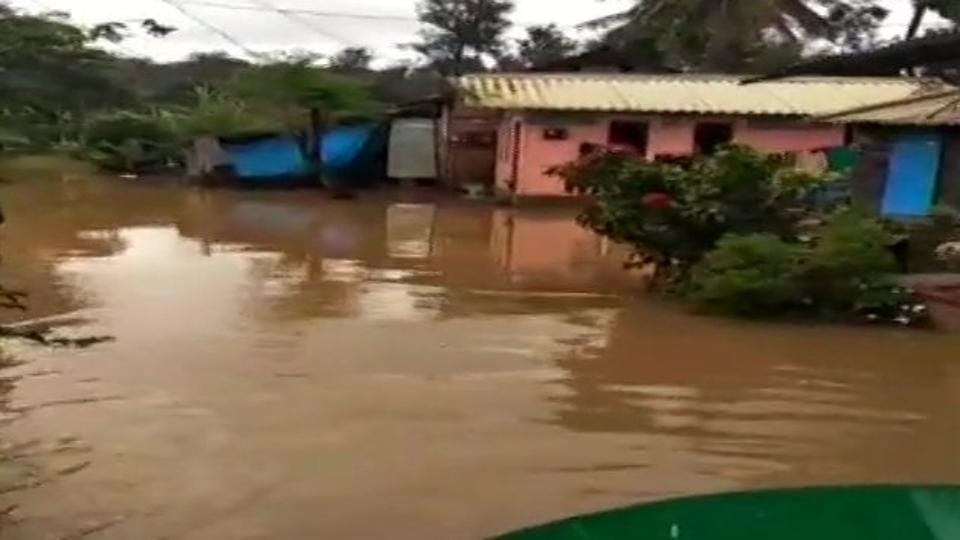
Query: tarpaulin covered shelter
355,154
271,159
350,156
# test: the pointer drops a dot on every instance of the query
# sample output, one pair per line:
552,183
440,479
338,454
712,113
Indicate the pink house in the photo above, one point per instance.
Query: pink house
544,120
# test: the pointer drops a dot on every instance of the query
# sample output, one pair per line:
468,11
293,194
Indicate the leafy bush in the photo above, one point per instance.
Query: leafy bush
744,233
851,243
852,255
128,142
216,114
749,275
673,215
844,274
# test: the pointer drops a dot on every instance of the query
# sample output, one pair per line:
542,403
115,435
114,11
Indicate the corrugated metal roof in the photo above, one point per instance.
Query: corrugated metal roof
940,109
685,93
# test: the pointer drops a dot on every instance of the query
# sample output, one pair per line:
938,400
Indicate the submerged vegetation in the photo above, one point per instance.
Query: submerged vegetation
746,234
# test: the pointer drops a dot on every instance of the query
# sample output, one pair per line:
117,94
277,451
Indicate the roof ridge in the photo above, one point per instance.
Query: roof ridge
685,93
719,77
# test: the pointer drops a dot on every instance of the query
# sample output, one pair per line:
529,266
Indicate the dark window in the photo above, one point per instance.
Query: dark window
631,134
481,139
555,134
708,137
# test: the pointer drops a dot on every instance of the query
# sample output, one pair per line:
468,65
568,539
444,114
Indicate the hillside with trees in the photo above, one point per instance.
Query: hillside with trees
63,91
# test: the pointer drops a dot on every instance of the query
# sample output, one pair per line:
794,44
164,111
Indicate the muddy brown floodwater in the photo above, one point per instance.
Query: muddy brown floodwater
286,366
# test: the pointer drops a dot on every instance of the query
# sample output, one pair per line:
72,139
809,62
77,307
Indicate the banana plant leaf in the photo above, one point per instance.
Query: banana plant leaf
858,513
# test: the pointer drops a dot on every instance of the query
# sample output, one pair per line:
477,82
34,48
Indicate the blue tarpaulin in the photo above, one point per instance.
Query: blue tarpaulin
355,155
275,157
912,181
343,146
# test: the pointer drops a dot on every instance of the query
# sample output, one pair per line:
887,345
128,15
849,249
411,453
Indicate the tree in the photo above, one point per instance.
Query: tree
461,34
174,83
287,90
730,35
544,44
51,75
302,98
948,9
857,23
352,59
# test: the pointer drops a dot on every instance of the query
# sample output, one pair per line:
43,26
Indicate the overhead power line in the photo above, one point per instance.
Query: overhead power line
295,11
215,29
306,24
370,16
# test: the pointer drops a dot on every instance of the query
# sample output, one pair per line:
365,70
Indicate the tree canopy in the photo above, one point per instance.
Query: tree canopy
948,9
352,59
743,35
460,35
544,44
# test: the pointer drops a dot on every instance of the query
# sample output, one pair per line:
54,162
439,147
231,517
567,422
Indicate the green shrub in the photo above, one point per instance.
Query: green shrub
851,243
130,142
749,275
844,274
851,257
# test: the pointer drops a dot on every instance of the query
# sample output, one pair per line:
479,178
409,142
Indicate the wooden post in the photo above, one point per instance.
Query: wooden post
317,129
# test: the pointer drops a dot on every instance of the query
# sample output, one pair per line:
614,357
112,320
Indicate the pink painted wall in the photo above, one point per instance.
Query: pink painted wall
786,137
538,155
668,135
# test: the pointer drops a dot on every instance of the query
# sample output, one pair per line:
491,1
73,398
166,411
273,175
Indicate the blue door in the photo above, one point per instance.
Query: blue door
912,179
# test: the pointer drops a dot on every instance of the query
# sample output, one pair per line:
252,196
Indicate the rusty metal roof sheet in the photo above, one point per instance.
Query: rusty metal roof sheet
684,93
939,109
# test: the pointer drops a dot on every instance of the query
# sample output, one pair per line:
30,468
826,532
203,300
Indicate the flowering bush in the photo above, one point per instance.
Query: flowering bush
674,214
743,233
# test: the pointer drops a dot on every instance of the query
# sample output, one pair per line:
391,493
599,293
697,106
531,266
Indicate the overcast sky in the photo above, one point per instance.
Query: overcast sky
262,30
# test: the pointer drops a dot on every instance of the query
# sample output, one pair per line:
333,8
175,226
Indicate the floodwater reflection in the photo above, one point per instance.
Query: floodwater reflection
288,366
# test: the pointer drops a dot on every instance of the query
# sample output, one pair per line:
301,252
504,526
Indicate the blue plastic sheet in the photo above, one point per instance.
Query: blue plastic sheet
912,181
274,157
342,147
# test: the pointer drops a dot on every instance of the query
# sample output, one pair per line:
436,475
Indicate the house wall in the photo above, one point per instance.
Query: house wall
668,135
671,137
538,154
775,136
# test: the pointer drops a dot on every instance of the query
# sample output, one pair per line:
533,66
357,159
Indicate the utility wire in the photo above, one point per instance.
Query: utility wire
373,17
306,24
313,12
215,29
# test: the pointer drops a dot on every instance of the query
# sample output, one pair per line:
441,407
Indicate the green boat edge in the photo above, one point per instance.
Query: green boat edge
865,512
